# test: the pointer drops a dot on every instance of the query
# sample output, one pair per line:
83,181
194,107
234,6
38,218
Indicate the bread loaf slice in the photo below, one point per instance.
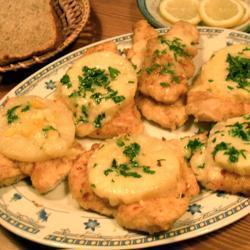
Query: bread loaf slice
27,28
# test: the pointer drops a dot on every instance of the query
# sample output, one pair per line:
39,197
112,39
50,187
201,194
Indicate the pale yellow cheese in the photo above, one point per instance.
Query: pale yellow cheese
222,132
44,130
125,84
119,189
214,73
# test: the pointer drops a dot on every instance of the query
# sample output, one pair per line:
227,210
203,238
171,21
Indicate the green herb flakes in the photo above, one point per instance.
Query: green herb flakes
65,80
11,114
99,119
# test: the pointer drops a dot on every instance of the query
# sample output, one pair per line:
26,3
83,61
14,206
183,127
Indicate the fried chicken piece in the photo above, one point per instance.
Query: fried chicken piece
80,187
155,215
151,215
167,116
127,121
168,63
108,46
142,32
208,161
46,175
222,90
9,172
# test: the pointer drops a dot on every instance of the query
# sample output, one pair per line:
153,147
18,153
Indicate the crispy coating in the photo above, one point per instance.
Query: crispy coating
207,106
46,175
108,46
127,121
167,68
215,178
142,32
80,187
217,94
9,172
167,116
151,215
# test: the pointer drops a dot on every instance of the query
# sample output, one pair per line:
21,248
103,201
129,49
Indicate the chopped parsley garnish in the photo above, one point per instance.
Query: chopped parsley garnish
48,128
239,71
164,69
65,80
230,87
26,108
241,130
11,114
93,185
84,115
113,72
193,145
178,48
201,166
210,80
132,82
98,120
152,68
132,150
164,84
127,169
231,151
158,53
120,142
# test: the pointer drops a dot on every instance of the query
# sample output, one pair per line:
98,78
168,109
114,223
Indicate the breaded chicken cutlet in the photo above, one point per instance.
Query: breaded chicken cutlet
143,193
100,93
165,65
223,162
37,140
222,89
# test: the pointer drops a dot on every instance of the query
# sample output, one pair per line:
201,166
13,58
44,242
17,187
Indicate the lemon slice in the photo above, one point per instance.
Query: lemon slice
221,13
176,10
246,11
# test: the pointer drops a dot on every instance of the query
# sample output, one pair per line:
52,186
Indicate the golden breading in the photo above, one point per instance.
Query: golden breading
142,32
106,106
126,121
168,63
222,162
46,175
9,172
222,89
167,116
207,106
150,215
80,188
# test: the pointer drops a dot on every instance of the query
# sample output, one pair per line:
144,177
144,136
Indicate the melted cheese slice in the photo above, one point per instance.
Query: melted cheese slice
119,189
35,129
125,84
214,73
222,132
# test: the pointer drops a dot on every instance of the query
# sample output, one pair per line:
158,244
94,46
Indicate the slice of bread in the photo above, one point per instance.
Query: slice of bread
27,28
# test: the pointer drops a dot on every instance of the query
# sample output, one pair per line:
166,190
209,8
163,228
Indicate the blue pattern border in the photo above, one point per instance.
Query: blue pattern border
147,239
18,224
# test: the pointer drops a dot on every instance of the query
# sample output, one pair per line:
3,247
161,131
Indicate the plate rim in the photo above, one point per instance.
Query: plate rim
57,63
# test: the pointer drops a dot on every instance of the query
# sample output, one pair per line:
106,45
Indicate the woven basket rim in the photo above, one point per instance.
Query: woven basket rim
28,62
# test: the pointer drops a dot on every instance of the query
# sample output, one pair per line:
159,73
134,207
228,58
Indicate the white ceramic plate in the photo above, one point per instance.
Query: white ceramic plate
55,219
149,9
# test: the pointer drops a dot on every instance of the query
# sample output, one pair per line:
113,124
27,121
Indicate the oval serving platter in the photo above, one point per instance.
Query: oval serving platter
55,219
149,9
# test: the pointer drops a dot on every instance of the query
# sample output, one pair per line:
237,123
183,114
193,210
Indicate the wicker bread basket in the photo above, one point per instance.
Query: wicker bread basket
73,16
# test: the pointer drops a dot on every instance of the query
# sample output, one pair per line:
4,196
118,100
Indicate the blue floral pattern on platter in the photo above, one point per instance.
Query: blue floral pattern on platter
55,220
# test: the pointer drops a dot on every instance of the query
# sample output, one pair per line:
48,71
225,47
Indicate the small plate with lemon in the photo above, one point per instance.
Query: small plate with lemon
233,14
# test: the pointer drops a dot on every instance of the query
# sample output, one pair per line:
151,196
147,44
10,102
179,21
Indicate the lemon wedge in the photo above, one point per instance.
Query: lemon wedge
176,10
221,13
